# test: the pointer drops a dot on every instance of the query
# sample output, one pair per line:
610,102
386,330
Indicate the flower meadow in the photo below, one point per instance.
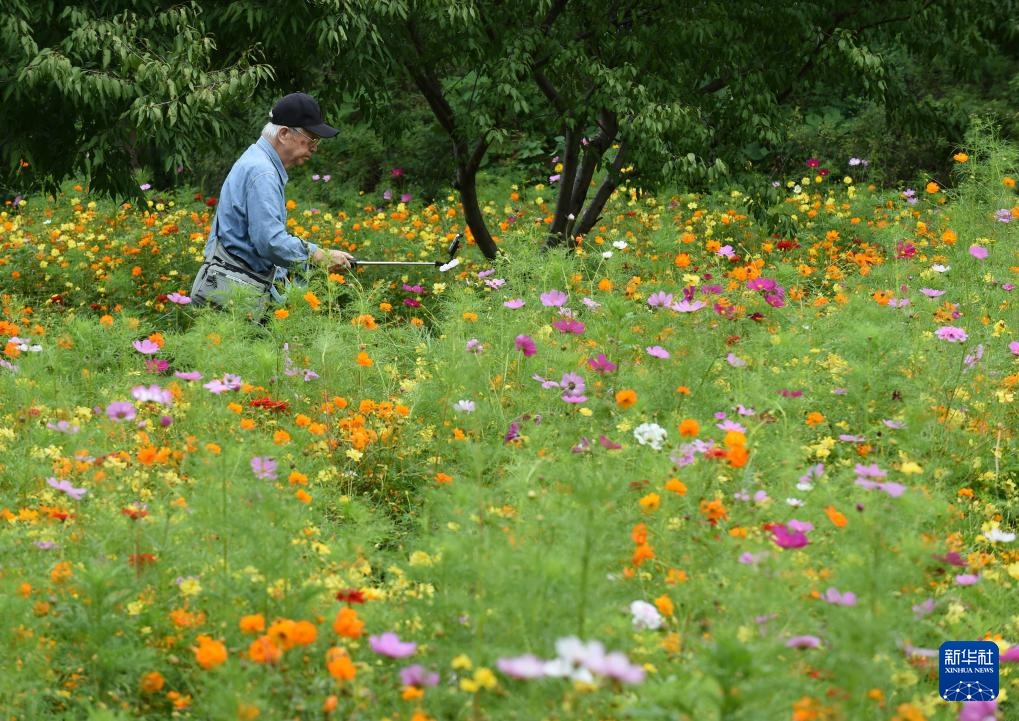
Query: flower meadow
692,470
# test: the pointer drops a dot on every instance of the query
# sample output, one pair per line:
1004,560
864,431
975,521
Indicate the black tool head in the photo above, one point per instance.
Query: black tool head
454,246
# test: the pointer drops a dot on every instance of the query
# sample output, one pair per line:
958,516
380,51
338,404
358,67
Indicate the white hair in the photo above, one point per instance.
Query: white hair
271,130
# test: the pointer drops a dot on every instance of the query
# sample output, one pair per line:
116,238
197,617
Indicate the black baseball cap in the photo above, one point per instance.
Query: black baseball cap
300,110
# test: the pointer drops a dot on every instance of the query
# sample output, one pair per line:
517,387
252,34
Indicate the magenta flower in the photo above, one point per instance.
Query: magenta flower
657,351
389,644
178,299
524,667
608,443
967,579
145,347
951,333
601,364
66,487
189,375
553,299
1010,656
784,538
804,642
1014,347
525,344
514,303
979,711
569,325
978,251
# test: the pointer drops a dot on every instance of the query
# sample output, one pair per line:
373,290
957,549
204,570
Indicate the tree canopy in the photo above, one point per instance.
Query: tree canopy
647,90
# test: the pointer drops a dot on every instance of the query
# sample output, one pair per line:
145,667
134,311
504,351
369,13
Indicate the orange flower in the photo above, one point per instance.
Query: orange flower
682,260
263,650
330,704
209,652
837,518
932,187
650,502
281,313
151,682
339,664
1008,182
665,605
626,398
814,418
312,300
642,553
689,427
253,623
605,285
281,438
638,534
302,495
304,633
443,478
364,360
347,624
960,157
714,511
737,456
676,486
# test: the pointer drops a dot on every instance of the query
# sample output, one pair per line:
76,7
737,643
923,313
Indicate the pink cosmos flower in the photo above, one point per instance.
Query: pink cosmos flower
553,299
418,675
525,667
514,303
979,711
685,306
657,351
803,642
951,333
661,299
145,347
967,579
735,361
978,251
389,644
1014,347
839,598
67,488
178,299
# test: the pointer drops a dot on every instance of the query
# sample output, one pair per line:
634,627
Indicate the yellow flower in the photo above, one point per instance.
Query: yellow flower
462,663
650,502
960,157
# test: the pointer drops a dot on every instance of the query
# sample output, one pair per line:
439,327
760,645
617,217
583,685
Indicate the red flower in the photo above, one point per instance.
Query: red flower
210,201
140,560
135,512
270,405
350,595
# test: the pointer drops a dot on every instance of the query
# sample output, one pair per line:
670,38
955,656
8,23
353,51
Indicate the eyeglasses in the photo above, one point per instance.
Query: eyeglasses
313,141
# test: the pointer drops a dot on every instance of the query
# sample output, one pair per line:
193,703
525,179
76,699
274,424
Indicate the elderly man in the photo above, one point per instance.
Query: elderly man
249,246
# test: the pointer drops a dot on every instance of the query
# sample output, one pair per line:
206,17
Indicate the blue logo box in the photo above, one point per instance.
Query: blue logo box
968,671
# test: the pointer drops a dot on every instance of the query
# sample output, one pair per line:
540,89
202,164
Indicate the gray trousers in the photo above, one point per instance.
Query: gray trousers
223,277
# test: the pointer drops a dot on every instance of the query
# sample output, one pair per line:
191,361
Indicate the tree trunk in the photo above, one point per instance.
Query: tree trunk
605,190
561,220
468,187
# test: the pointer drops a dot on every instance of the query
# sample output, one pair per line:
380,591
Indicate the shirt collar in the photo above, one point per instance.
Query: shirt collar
267,148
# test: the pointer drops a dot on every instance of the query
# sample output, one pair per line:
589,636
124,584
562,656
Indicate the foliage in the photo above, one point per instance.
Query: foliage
772,474
93,91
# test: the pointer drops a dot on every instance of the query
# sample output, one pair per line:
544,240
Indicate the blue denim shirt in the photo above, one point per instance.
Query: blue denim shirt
251,216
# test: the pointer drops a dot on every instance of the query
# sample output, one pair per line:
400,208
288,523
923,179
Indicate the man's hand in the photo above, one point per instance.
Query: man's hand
334,260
